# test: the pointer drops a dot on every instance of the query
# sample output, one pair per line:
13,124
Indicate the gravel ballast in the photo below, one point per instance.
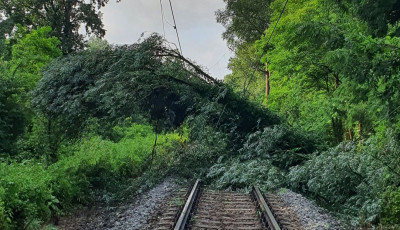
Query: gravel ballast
310,215
142,210
130,215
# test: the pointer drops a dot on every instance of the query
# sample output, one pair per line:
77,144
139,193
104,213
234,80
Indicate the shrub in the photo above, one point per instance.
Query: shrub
263,159
237,174
356,179
25,195
283,146
391,207
103,164
31,193
193,158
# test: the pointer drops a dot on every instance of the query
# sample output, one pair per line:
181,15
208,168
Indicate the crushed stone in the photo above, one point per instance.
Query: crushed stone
309,214
130,215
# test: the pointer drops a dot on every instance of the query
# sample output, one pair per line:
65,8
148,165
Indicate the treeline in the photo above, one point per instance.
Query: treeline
331,68
33,33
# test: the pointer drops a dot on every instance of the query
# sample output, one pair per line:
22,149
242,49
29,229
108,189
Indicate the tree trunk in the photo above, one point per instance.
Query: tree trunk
153,151
267,86
66,29
337,80
350,134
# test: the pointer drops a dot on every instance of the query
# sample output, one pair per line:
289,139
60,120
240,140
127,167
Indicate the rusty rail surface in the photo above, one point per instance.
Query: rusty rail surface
266,211
184,216
207,209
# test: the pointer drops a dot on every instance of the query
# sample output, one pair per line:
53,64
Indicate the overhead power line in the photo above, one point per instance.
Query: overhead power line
176,29
162,17
279,18
263,52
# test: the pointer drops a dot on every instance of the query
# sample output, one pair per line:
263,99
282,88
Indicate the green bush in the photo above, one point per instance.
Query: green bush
355,179
104,165
237,174
204,146
263,159
25,195
391,207
31,193
283,146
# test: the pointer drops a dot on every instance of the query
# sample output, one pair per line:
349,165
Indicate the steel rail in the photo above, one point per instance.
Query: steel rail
272,223
184,216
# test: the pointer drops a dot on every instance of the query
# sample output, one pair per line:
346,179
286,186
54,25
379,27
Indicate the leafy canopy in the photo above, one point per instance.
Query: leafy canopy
146,78
245,21
64,17
18,76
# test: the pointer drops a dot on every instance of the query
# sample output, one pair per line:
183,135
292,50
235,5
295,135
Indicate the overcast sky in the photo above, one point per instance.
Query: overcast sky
199,32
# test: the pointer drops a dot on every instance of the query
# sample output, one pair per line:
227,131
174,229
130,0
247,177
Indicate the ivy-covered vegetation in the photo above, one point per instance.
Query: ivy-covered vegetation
310,105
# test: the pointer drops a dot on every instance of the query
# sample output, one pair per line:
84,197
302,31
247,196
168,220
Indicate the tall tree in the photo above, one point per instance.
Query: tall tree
245,21
333,70
30,53
378,14
11,115
247,77
65,17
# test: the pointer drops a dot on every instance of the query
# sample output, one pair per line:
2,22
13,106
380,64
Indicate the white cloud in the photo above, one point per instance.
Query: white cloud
199,32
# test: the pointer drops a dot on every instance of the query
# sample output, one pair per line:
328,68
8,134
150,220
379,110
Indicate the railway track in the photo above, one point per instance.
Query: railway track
201,209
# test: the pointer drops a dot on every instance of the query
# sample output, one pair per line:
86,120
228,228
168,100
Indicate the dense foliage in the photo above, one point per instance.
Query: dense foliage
146,80
11,117
359,179
31,193
331,68
18,76
245,21
64,17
